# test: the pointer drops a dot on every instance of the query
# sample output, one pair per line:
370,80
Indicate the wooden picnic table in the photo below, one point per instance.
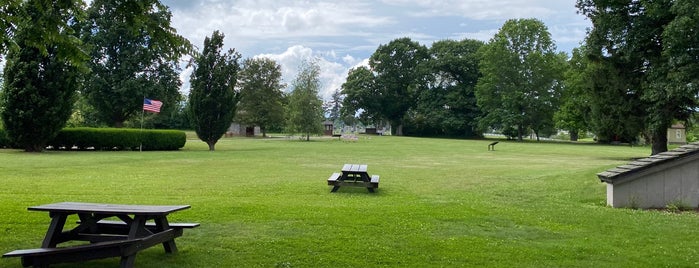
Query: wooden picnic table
131,232
354,175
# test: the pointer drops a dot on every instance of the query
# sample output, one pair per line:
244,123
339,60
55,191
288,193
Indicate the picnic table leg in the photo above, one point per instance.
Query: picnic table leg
128,261
55,230
335,188
161,224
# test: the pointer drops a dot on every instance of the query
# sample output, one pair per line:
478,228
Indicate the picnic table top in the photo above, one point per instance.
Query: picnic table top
354,168
115,209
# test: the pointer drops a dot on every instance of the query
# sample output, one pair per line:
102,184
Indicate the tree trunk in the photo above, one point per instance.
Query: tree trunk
574,135
264,133
520,133
659,141
212,145
308,137
119,124
399,130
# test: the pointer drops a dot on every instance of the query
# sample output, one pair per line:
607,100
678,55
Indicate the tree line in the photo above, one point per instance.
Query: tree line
71,64
633,76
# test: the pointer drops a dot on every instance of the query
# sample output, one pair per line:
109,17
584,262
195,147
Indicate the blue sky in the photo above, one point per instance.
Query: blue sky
343,34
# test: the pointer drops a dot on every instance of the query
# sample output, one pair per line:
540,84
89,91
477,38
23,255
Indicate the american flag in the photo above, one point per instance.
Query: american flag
152,105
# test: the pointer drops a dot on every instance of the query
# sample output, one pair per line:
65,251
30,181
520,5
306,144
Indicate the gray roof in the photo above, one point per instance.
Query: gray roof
634,169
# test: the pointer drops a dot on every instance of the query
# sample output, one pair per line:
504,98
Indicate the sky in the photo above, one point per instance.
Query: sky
343,34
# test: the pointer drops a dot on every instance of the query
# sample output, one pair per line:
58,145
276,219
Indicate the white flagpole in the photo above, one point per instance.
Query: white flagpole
140,133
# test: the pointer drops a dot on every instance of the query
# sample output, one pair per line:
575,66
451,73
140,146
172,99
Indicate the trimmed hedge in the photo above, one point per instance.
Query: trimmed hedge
118,139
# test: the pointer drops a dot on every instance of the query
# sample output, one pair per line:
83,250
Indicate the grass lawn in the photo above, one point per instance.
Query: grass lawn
266,203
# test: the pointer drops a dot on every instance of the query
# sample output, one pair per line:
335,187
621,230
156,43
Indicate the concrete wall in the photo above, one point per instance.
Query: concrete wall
677,185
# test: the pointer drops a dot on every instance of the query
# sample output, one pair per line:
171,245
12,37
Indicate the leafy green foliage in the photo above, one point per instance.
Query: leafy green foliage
261,96
361,94
448,106
305,110
118,139
8,21
134,53
522,78
42,73
400,68
212,98
571,115
652,47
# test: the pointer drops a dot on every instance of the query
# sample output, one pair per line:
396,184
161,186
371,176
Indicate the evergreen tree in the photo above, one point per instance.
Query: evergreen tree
305,114
212,97
42,73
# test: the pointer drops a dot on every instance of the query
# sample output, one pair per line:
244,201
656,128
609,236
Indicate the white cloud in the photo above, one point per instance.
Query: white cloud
332,74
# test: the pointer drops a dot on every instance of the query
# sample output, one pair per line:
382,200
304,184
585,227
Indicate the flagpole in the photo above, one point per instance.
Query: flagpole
140,133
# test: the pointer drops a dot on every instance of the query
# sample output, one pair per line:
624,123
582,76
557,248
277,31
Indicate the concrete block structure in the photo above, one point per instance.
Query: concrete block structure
655,182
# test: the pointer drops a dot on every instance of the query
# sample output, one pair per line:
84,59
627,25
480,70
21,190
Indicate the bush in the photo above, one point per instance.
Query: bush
118,139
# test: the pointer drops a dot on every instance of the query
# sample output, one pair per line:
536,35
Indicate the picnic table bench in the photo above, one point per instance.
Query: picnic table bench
354,175
132,233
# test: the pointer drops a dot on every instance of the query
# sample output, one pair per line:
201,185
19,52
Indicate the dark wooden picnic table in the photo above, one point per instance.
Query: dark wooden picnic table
130,232
354,175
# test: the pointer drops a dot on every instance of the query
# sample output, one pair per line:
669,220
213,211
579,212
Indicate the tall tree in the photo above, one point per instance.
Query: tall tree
574,100
261,96
305,114
522,75
651,45
213,98
400,77
361,94
334,106
449,107
43,72
134,54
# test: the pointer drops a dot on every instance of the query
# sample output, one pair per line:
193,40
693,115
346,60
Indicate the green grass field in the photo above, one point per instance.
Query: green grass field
441,203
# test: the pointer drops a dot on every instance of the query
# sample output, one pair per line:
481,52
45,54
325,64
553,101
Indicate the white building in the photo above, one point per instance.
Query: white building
655,182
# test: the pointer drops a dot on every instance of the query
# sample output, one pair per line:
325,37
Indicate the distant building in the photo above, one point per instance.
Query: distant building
677,134
667,178
243,131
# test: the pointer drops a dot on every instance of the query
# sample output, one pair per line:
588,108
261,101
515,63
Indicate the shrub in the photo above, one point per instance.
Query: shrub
118,139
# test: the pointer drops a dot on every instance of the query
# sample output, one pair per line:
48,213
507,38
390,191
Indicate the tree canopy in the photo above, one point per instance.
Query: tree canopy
649,48
305,110
42,73
213,98
522,77
134,53
261,97
400,76
448,105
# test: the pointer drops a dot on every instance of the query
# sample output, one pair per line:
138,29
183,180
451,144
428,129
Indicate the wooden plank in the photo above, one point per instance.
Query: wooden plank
347,167
187,225
112,209
362,168
333,178
375,179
